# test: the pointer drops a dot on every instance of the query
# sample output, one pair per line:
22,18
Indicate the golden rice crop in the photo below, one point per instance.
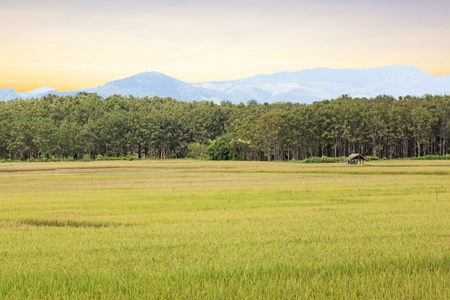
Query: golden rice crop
203,229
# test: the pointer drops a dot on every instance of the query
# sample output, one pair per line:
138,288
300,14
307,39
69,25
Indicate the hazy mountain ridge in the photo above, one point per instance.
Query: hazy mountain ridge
303,86
324,83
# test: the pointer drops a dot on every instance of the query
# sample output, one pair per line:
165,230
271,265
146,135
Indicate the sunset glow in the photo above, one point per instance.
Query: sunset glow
70,45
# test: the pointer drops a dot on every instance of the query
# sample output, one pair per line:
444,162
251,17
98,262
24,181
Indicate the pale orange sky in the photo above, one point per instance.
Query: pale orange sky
70,45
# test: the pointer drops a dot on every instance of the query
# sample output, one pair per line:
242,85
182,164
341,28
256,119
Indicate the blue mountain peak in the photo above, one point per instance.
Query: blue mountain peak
303,86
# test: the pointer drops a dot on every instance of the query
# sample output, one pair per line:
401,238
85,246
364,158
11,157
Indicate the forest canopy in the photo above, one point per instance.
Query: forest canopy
88,126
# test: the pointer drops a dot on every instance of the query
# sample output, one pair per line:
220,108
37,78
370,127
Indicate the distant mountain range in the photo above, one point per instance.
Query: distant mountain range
303,86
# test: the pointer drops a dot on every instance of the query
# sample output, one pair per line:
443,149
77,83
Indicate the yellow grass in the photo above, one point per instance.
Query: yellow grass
203,229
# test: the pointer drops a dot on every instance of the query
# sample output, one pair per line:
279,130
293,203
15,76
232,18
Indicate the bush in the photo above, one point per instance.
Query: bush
219,149
242,150
131,157
197,151
86,157
430,157
323,159
372,158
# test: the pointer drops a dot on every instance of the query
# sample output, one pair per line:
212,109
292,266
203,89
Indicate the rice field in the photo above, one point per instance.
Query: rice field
182,229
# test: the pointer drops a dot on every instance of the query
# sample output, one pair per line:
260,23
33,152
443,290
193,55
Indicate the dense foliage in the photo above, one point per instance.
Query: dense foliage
88,126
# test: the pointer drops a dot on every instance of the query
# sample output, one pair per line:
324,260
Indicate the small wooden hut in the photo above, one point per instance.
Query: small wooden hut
354,158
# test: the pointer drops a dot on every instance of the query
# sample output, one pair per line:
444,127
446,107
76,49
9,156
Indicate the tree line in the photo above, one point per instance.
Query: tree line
89,126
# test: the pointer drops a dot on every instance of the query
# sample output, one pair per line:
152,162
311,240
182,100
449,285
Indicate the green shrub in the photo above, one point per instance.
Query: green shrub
431,157
197,150
372,158
86,157
242,150
130,157
323,159
218,149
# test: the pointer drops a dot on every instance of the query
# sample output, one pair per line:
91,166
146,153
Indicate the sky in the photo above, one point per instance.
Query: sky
74,44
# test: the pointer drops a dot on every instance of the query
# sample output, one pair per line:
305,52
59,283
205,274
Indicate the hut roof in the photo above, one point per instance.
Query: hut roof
354,156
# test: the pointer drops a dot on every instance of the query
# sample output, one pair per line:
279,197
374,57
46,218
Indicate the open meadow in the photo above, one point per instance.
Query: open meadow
188,229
